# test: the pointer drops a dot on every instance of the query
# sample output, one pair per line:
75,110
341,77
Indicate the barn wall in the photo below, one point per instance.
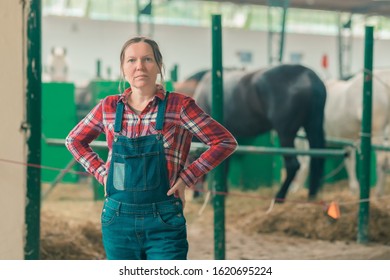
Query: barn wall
189,47
13,176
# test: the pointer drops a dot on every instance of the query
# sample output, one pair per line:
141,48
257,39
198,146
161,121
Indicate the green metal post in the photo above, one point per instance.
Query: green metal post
365,156
109,73
284,4
33,127
98,69
282,33
219,182
138,20
174,73
270,34
340,47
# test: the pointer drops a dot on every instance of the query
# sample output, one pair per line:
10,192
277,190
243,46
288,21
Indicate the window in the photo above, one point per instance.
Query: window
198,13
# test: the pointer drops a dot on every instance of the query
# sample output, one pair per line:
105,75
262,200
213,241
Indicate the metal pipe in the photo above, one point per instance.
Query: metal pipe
98,69
218,175
340,47
33,129
240,149
365,155
174,73
270,36
282,33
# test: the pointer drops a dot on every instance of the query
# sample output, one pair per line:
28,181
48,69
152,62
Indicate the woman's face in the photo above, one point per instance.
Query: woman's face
139,66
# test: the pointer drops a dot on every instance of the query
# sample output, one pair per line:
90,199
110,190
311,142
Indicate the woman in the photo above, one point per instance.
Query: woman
149,134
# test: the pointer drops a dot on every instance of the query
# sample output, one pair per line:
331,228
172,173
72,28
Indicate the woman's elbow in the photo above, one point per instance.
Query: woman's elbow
69,142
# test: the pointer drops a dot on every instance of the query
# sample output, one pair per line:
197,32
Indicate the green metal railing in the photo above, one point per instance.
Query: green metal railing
240,149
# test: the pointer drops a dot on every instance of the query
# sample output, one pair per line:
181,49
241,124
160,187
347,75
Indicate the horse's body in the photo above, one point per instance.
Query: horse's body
343,118
283,98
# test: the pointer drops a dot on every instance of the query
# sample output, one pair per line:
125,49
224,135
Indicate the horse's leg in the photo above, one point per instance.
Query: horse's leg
199,187
304,161
316,172
350,166
291,165
382,165
226,170
316,137
211,185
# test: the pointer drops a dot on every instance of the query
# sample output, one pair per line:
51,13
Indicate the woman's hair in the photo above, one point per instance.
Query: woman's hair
157,57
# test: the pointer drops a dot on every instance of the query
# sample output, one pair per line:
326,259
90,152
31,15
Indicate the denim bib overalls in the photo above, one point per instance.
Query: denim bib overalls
139,220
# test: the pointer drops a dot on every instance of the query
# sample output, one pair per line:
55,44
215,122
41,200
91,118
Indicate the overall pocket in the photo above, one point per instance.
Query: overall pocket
142,172
119,176
108,216
172,219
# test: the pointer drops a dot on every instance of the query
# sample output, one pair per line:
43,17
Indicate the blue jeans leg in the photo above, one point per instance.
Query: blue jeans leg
119,238
166,234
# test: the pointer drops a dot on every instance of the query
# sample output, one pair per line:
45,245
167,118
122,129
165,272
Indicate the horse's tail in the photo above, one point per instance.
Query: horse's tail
315,131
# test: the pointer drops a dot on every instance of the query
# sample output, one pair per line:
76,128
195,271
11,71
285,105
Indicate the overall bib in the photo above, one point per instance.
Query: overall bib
139,221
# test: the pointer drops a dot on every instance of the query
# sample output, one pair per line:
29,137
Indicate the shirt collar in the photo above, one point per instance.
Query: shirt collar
159,94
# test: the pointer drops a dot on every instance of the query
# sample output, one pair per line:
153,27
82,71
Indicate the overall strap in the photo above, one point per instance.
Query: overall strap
118,117
161,112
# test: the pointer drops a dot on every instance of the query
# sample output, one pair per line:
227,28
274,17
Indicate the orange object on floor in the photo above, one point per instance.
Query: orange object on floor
333,210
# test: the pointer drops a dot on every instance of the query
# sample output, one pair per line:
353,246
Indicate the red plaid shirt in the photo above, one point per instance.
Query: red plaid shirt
183,119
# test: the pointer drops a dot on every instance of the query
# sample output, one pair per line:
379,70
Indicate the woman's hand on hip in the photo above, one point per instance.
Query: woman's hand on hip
179,189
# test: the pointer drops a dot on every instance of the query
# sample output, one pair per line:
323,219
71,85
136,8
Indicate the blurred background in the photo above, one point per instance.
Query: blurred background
60,57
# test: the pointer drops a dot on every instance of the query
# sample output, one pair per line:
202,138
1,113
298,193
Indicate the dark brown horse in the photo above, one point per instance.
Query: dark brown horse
283,98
